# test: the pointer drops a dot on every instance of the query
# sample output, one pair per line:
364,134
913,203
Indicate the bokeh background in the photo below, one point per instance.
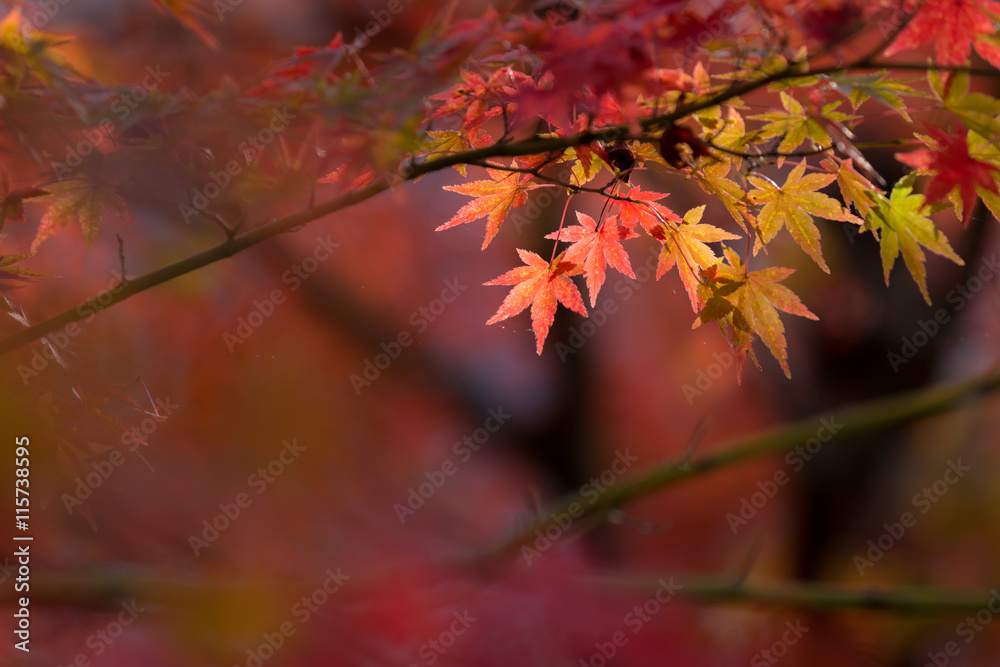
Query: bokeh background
118,577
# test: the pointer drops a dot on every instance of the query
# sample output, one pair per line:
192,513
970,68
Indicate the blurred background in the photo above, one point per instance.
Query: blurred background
329,431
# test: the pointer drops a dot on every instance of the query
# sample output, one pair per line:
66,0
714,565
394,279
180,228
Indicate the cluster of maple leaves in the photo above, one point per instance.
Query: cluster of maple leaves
602,91
723,149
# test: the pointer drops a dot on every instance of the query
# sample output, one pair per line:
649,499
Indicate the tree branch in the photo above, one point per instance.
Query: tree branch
410,171
104,589
724,591
867,417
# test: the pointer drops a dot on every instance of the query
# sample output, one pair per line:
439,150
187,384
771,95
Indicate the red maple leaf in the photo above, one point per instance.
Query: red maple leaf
595,249
478,99
951,25
585,62
947,159
644,211
541,285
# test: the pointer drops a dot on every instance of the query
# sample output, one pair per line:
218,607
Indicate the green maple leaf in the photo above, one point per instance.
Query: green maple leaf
793,205
903,220
795,124
862,87
976,111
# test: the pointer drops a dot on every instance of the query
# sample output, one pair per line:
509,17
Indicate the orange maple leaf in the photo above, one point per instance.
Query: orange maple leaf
493,199
541,285
595,249
953,27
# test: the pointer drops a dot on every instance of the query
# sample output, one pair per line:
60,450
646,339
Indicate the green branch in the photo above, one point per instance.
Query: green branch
721,591
105,589
873,416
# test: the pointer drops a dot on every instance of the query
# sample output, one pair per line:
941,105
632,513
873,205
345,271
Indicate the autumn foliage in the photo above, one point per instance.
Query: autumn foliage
610,92
614,111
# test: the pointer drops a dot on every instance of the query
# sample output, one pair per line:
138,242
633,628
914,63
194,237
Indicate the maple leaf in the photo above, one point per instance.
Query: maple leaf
794,125
541,285
952,26
976,111
478,99
585,167
10,271
493,199
862,87
732,136
855,188
83,200
585,61
793,205
756,298
902,218
642,210
715,181
986,151
946,157
443,142
684,247
594,249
